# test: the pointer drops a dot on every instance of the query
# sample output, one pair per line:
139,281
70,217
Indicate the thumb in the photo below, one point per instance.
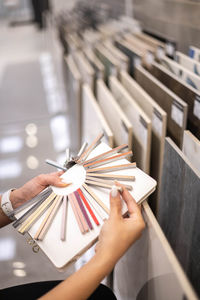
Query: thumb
115,203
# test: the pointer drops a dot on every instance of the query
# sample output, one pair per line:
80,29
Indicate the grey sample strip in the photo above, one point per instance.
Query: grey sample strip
106,185
37,198
55,164
30,211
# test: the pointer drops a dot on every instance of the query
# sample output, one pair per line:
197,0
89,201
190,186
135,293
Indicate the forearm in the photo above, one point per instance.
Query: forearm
82,284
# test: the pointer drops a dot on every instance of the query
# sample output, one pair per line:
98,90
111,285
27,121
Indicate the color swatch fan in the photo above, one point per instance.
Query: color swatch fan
65,222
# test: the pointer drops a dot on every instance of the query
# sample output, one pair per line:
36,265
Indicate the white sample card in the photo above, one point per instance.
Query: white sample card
177,114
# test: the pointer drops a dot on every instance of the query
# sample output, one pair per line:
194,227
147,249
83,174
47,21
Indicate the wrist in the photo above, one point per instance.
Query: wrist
6,205
16,198
104,261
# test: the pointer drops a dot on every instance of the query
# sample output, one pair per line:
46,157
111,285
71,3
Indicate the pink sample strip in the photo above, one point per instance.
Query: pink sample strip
81,216
71,200
83,210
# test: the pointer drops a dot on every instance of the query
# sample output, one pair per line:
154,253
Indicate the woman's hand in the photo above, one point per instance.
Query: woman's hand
118,233
34,187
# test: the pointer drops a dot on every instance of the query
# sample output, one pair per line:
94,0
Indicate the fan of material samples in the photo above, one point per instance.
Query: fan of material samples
65,222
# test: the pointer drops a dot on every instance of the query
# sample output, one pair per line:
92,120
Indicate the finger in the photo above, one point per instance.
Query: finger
133,207
51,179
115,203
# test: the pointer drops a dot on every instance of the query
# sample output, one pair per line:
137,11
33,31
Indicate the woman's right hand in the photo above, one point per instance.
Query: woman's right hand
119,233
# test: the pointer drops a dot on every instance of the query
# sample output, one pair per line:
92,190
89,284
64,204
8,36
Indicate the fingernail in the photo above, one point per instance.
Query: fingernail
114,191
65,184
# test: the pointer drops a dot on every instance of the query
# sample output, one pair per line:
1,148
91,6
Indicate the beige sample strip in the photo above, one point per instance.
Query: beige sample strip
105,208
112,168
108,160
64,219
50,218
39,211
90,148
71,200
106,154
81,216
112,176
105,185
107,182
46,217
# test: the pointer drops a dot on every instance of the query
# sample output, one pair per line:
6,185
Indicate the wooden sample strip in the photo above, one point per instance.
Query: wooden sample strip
112,176
179,210
174,106
105,208
80,225
186,92
29,212
46,217
148,265
90,148
112,168
39,211
191,149
64,219
108,160
107,154
118,121
92,114
106,182
158,119
140,122
50,218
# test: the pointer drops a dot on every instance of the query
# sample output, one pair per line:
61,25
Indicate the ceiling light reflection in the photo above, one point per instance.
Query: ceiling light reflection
19,265
31,141
11,144
31,129
19,273
10,168
7,249
32,162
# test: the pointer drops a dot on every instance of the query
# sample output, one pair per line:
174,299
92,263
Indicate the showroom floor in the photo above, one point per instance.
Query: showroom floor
33,117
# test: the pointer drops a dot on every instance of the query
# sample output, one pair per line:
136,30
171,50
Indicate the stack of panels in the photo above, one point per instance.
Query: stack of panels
140,113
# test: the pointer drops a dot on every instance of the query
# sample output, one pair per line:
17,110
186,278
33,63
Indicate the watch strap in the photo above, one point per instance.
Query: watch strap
6,205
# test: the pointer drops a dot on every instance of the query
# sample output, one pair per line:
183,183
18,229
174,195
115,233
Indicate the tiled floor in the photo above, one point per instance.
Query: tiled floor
33,115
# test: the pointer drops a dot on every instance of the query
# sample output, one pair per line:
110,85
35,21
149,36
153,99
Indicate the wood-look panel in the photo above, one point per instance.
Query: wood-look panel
183,73
93,120
85,68
158,119
190,95
175,107
119,123
149,269
72,78
191,149
179,210
140,122
110,63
